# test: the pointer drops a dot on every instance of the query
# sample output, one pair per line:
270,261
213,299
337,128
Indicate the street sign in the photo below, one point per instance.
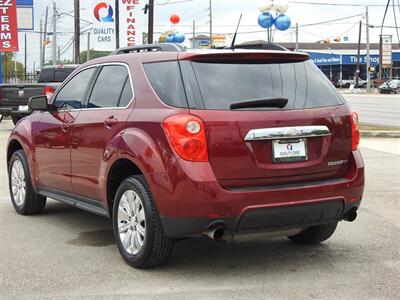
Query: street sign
8,26
386,51
25,17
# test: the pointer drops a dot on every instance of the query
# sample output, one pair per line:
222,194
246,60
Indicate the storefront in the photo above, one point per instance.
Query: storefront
338,66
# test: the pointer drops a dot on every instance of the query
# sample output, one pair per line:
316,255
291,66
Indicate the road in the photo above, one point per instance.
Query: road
381,110
66,253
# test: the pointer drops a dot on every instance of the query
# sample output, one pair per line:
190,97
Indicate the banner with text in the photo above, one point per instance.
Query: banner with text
103,18
131,21
8,26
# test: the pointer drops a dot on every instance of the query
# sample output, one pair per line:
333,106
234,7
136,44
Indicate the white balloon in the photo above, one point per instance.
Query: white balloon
266,6
281,6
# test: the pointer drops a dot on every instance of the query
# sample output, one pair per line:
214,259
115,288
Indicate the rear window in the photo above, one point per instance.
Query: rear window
218,85
55,74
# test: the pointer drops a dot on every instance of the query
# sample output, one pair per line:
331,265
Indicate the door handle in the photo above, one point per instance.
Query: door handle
110,121
65,126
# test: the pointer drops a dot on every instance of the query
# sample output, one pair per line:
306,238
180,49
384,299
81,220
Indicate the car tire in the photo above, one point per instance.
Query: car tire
15,119
314,235
23,196
137,226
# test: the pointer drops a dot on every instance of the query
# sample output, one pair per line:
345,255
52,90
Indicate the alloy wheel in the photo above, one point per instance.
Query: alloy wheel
18,182
131,222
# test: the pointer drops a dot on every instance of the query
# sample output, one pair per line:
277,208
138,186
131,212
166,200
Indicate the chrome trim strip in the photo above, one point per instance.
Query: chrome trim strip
287,132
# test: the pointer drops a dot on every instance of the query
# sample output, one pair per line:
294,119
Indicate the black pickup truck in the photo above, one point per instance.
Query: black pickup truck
14,97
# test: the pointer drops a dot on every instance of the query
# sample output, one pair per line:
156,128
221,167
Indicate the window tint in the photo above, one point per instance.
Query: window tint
73,93
56,74
61,74
166,79
302,83
127,94
108,87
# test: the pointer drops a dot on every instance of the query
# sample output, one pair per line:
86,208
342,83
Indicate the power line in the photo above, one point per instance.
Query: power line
333,4
395,22
384,16
331,21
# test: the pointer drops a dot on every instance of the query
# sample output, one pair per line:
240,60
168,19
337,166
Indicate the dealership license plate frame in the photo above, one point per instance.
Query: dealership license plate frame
300,144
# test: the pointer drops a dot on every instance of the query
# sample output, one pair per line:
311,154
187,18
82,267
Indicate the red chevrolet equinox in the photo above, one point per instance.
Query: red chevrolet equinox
174,144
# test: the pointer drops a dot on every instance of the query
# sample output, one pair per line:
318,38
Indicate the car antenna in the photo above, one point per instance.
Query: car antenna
234,36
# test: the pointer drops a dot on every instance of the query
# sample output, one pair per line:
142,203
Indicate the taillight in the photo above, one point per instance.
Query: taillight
355,133
187,135
48,91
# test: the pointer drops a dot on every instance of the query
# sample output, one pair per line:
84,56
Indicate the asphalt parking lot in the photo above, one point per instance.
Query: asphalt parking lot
68,253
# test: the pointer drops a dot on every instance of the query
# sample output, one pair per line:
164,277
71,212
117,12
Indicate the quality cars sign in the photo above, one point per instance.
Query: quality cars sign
8,26
103,18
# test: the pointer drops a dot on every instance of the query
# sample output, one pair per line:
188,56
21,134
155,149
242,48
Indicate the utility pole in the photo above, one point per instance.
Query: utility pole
358,55
54,48
41,45
88,47
297,37
25,58
151,22
116,26
77,33
211,38
45,36
367,48
194,34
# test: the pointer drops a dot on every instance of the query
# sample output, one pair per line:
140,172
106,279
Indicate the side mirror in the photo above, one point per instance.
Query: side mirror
38,103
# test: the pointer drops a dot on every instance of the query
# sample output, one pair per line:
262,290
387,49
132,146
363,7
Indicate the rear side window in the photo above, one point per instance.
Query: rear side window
302,83
166,79
73,93
109,87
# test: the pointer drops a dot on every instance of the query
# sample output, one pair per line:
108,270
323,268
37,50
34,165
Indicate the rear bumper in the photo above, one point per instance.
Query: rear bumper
190,200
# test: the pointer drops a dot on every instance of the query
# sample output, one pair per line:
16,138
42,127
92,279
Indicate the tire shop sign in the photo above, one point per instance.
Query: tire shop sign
8,26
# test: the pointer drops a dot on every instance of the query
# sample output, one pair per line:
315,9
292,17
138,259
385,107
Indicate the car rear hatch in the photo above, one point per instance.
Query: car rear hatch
271,117
254,138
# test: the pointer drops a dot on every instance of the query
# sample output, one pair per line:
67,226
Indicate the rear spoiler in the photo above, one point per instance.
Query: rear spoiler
245,57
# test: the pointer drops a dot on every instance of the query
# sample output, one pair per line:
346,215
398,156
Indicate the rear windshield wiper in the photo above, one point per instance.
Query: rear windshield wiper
277,102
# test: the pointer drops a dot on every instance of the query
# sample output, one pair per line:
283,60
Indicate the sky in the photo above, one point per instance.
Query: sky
225,17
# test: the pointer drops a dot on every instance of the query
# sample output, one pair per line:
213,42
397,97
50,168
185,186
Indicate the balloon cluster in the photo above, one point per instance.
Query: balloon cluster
267,20
175,37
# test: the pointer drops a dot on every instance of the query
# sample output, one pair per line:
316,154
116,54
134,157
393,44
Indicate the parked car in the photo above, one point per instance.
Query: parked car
390,86
348,82
181,144
14,97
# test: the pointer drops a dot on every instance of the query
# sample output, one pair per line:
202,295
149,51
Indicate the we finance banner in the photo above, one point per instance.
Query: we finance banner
131,20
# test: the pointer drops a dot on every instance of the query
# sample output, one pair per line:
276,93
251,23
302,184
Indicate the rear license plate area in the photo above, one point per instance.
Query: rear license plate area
289,150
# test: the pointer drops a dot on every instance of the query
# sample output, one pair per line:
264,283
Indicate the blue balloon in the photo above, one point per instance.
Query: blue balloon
266,20
170,38
282,22
179,37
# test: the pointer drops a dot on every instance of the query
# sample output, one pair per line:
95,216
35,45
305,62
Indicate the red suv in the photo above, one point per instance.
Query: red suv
176,144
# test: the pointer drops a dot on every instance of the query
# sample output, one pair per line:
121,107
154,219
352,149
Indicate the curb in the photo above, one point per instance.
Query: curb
380,134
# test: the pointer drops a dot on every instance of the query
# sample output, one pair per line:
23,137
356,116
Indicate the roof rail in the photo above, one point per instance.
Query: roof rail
163,47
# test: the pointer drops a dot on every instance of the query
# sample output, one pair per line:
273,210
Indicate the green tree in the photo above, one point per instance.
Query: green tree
93,54
8,66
